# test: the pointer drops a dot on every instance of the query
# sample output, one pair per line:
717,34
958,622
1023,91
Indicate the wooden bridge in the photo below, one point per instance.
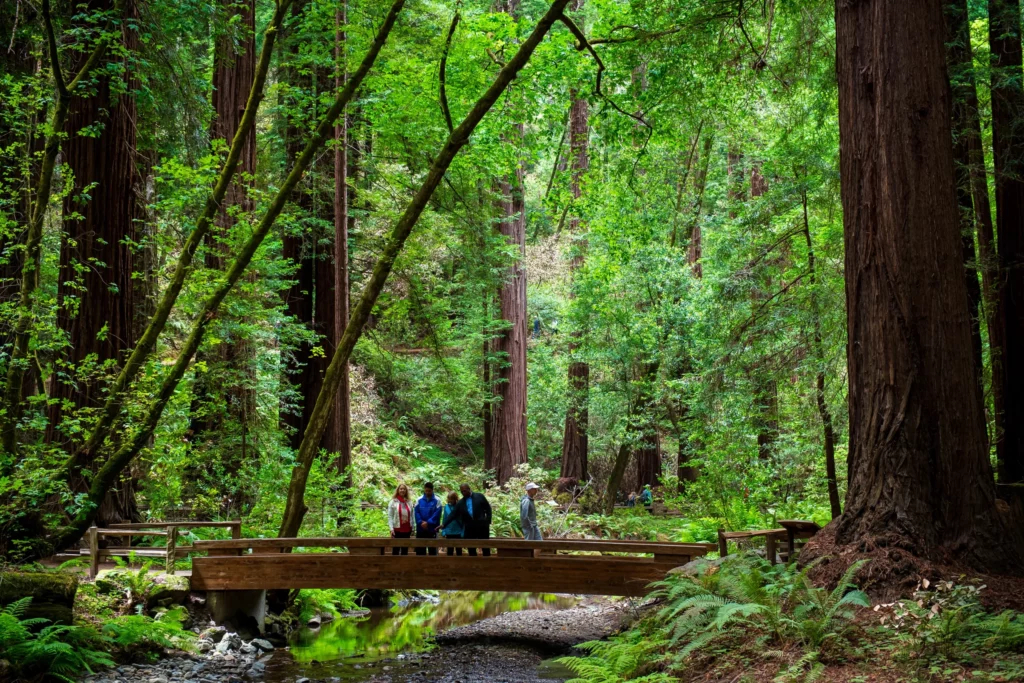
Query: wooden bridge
591,567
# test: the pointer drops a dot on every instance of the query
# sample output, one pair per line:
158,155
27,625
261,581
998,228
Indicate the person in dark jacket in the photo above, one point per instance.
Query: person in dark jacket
428,517
475,514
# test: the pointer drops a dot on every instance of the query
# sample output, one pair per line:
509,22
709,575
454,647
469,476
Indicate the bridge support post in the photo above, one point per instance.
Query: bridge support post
245,609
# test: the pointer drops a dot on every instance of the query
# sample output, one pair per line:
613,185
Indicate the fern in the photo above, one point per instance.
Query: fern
57,651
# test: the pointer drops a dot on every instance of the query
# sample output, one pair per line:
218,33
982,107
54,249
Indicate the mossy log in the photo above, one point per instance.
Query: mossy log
53,595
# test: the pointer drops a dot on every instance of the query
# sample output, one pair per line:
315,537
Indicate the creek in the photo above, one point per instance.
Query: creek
396,644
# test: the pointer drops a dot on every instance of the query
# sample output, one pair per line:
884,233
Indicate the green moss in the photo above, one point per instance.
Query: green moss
53,594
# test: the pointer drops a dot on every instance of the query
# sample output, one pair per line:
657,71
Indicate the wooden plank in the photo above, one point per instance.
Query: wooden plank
737,535
129,532
550,574
181,525
799,525
138,552
172,543
584,545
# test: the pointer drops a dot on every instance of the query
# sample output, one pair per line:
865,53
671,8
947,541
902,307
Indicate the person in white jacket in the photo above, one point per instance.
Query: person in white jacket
528,514
400,517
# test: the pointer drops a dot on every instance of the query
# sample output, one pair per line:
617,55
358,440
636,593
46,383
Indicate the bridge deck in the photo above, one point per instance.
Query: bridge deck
516,566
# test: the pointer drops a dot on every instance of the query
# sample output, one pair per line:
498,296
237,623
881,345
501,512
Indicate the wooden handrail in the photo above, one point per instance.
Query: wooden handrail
582,545
180,525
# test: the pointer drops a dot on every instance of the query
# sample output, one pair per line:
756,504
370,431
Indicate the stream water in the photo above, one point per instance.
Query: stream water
395,644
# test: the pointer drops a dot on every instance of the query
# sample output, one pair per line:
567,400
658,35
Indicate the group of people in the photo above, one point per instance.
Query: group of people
468,517
646,498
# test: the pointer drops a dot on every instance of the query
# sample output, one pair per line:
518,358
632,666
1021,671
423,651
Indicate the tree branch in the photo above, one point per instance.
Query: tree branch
442,93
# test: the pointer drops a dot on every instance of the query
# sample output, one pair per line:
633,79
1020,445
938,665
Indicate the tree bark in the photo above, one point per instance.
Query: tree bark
295,508
574,439
1008,152
919,474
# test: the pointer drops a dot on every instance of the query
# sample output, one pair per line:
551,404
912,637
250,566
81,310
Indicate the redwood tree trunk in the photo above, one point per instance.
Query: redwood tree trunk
574,439
217,409
1008,151
960,65
95,286
341,423
648,447
508,413
919,473
507,373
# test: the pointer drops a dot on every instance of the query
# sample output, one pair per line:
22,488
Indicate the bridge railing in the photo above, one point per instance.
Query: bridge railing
678,553
555,566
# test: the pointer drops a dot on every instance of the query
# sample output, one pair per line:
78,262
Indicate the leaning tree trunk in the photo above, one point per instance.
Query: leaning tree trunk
920,479
1008,152
95,287
574,439
295,507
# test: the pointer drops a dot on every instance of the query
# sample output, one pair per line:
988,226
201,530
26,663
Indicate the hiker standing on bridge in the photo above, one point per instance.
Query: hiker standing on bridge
428,517
400,517
528,514
451,525
474,512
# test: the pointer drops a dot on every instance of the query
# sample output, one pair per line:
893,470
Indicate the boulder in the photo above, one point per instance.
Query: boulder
168,589
52,593
262,645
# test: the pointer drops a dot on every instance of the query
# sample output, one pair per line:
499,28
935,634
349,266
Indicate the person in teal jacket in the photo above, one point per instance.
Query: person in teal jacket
452,528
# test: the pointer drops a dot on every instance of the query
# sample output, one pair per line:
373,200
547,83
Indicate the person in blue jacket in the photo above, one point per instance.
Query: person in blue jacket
428,517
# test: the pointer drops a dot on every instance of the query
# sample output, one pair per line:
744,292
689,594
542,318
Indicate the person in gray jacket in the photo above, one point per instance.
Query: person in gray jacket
528,514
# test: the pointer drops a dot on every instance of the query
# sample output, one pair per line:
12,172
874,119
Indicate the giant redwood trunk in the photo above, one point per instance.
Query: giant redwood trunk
919,473
1008,152
95,290
574,439
648,442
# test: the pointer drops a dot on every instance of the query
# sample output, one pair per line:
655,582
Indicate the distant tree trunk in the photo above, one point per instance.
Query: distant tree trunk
648,447
95,287
615,480
694,250
342,420
919,474
827,429
574,439
487,409
215,406
766,389
508,427
1008,151
961,72
312,299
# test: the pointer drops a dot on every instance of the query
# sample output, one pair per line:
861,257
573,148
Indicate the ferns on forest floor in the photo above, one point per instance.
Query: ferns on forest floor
745,601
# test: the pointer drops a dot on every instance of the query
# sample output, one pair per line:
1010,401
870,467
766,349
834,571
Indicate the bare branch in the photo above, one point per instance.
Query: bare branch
442,93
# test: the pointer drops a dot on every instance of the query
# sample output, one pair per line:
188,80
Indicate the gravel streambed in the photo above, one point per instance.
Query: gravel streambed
508,648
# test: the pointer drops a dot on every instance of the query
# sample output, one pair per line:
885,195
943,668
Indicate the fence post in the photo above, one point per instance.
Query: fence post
723,543
172,545
94,552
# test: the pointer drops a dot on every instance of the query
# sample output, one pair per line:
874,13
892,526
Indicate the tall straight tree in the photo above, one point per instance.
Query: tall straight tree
339,429
1008,153
234,68
95,290
919,472
507,429
574,438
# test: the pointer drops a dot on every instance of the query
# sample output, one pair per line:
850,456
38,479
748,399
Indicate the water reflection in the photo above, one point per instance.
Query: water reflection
387,632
